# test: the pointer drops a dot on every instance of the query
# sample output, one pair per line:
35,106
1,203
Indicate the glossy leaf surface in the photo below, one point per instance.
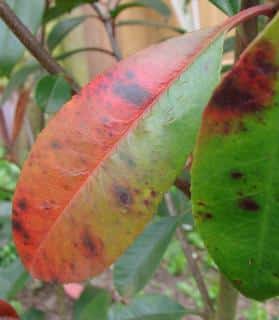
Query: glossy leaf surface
135,268
235,176
98,171
11,50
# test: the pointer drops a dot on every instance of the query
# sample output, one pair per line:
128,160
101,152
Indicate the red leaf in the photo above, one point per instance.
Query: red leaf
7,311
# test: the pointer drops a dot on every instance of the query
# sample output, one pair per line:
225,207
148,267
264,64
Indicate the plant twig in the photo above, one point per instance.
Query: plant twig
4,130
227,300
109,26
195,270
31,43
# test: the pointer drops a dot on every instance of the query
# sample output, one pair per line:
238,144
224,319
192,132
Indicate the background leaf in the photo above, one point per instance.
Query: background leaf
62,29
12,280
33,314
52,92
229,7
11,50
135,268
235,174
63,6
92,304
157,5
155,307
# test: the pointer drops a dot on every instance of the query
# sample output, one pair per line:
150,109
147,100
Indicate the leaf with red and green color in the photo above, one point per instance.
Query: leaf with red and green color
98,171
7,311
235,174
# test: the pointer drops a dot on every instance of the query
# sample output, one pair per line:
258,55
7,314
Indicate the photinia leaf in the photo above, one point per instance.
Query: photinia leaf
11,50
62,29
135,268
229,7
92,304
33,314
148,307
52,92
157,5
235,176
98,171
7,311
62,7
12,280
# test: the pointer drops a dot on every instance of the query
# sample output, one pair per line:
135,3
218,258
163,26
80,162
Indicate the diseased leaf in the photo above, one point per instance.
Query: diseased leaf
97,173
147,307
51,93
62,29
92,304
135,268
235,177
7,311
229,7
11,50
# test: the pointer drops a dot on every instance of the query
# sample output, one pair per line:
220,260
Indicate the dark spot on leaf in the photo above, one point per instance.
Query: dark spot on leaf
130,74
56,144
146,202
248,204
88,243
236,175
230,96
131,92
237,282
22,204
208,215
18,227
153,193
123,195
201,203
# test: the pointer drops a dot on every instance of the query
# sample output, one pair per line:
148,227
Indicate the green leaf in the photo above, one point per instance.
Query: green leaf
229,44
51,93
134,269
148,307
62,7
12,280
235,175
11,50
62,29
33,314
17,80
5,216
229,7
9,173
92,304
146,23
157,5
